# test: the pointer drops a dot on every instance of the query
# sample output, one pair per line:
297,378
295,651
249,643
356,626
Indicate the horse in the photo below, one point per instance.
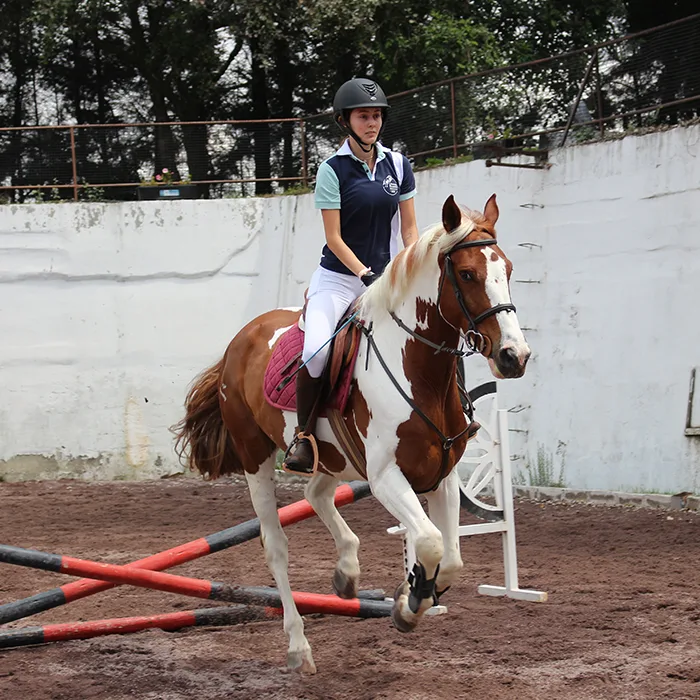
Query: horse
447,290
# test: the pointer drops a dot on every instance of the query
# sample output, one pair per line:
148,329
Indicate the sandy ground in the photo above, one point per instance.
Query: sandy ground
621,623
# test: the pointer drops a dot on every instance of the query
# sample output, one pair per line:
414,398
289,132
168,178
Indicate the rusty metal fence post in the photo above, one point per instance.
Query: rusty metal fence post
74,160
302,139
599,93
454,119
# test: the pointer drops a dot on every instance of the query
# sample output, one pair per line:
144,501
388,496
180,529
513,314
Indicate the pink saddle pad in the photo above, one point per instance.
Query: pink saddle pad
286,357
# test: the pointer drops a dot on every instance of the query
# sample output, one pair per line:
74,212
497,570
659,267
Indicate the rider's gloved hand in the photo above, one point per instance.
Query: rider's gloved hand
368,278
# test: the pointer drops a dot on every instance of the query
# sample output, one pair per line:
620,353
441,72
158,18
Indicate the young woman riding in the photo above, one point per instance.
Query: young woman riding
365,194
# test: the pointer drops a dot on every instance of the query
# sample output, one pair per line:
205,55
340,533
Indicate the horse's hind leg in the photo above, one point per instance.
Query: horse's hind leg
415,595
443,505
262,494
320,492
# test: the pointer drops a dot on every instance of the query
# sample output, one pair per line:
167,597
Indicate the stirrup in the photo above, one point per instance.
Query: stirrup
301,435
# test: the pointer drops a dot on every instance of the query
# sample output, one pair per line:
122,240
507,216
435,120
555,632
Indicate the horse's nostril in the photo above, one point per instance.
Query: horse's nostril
509,358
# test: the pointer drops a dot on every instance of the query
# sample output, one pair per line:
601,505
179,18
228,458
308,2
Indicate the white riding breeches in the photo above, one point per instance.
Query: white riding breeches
329,296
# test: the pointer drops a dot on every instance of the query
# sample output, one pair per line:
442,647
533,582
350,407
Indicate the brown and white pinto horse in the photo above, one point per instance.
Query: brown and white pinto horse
404,409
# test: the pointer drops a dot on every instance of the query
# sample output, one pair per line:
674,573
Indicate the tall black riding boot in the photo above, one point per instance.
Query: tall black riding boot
301,457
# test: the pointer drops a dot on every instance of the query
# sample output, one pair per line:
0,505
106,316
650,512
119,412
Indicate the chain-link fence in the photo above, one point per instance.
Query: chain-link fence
644,80
120,161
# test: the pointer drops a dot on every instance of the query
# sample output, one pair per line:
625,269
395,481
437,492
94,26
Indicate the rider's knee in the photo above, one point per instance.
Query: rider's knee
316,364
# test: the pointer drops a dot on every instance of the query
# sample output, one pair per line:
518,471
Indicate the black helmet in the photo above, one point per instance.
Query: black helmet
356,93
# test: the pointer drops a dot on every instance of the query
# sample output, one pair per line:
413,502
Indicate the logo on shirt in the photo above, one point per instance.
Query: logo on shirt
391,187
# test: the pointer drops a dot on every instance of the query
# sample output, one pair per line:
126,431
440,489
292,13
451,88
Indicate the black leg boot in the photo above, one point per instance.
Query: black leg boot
301,455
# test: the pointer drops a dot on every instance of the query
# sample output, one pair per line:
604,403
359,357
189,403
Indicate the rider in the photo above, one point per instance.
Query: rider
365,194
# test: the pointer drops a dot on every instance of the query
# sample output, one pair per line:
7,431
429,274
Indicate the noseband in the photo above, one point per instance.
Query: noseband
475,341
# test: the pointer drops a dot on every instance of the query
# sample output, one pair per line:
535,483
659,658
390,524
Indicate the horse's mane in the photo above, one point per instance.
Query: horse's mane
387,291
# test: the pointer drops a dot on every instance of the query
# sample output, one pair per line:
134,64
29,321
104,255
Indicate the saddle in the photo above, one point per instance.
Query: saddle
280,385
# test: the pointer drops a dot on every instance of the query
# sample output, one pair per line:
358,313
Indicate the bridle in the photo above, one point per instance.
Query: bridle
475,341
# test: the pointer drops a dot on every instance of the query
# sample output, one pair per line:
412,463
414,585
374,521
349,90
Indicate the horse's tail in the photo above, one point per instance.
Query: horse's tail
202,440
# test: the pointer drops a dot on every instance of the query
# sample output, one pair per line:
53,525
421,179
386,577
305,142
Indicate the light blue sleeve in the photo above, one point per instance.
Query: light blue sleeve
327,191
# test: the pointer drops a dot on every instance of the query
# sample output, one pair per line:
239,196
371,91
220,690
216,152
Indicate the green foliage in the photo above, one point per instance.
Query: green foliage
297,188
108,61
542,472
439,162
92,194
432,46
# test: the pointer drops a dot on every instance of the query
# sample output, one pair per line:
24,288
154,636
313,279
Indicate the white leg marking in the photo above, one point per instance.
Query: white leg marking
320,492
391,488
262,495
443,506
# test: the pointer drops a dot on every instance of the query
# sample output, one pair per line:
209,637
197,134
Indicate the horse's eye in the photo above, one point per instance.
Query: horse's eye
466,276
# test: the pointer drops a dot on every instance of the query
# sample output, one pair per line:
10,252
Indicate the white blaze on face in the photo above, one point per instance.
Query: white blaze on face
498,293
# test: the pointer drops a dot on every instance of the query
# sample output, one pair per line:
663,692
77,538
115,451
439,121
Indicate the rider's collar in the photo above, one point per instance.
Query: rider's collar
345,150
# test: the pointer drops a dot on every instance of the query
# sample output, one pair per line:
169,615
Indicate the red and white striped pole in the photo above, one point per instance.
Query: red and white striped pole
293,513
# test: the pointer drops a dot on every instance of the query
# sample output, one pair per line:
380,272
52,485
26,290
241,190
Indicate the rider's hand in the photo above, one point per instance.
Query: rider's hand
368,278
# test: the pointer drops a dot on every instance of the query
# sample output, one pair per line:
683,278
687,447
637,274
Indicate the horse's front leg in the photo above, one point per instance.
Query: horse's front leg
415,595
444,509
320,492
262,495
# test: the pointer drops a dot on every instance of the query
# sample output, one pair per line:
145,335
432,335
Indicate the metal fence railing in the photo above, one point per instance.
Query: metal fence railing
645,79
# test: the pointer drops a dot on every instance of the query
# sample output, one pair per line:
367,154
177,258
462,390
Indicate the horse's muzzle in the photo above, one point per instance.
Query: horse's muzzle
509,362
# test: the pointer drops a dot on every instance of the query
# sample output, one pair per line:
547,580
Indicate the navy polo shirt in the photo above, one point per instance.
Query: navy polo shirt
368,203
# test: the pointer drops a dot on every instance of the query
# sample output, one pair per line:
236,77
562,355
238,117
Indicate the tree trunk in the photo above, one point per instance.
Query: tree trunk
261,110
18,69
195,140
166,148
286,79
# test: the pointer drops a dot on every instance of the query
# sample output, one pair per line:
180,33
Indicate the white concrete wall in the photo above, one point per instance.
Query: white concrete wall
108,311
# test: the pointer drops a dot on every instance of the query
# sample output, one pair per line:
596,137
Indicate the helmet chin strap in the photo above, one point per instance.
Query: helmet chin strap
365,148
360,142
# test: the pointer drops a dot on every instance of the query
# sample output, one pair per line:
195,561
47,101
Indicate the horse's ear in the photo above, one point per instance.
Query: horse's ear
451,214
491,210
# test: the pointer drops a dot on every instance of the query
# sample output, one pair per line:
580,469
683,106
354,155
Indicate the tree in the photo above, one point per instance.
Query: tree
110,61
18,67
663,66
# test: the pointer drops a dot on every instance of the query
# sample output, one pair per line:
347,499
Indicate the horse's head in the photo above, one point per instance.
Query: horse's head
475,290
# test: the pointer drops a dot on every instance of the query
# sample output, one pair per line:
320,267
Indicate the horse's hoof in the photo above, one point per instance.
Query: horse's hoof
400,622
401,603
344,586
301,661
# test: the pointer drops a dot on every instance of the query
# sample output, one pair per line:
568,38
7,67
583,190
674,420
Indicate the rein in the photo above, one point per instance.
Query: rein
447,442
474,339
